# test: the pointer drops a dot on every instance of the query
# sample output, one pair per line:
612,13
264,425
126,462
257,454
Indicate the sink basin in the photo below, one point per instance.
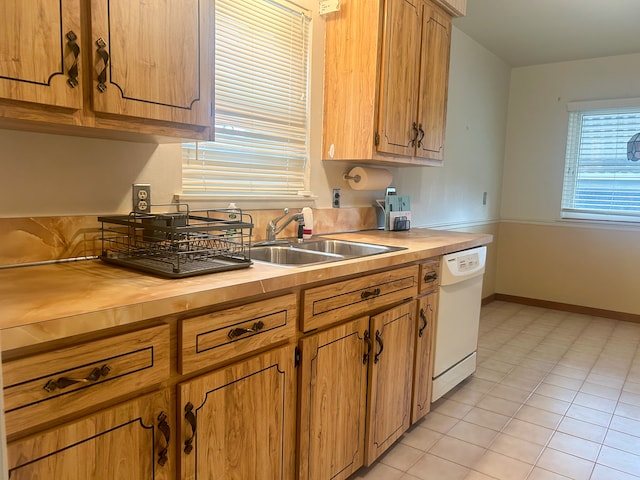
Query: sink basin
282,255
346,248
317,251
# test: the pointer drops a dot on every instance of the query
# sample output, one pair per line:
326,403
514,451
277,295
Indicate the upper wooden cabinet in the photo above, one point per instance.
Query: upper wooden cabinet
150,56
39,52
134,70
386,77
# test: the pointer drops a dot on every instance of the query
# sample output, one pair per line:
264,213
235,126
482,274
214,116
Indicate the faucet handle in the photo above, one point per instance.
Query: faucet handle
280,217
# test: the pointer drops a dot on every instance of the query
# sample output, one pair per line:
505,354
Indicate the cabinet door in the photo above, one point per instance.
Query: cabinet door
389,414
129,441
38,63
432,111
155,59
399,77
423,366
239,422
333,401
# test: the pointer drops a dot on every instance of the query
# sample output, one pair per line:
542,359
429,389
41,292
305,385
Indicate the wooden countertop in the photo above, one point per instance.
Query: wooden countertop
50,302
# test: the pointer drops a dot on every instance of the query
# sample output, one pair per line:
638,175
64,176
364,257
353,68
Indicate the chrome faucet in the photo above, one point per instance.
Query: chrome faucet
273,229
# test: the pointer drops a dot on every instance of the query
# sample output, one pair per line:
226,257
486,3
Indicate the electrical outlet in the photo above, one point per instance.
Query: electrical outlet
141,197
336,198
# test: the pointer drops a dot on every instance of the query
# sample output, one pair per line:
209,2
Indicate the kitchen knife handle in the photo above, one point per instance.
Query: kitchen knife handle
104,56
72,81
164,428
191,419
64,382
379,340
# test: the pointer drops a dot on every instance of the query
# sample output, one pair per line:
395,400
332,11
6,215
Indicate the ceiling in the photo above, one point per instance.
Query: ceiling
531,32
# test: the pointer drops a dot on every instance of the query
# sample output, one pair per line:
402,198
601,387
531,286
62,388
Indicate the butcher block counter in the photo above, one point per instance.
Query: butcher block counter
262,361
48,302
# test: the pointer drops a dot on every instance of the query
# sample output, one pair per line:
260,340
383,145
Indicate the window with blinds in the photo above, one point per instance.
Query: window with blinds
261,104
600,181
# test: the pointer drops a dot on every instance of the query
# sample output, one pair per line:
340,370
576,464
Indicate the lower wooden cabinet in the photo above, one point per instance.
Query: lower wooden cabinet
391,377
333,401
239,422
424,344
130,440
355,392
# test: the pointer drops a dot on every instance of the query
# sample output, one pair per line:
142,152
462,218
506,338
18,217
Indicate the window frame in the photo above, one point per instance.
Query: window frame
577,110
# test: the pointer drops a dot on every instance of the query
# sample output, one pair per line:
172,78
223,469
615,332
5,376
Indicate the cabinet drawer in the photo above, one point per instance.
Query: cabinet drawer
210,339
47,386
339,301
429,276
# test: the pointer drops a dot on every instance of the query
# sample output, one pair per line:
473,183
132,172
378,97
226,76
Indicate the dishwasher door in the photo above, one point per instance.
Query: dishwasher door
457,319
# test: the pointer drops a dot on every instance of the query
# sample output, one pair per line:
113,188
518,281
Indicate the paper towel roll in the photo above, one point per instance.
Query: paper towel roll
362,178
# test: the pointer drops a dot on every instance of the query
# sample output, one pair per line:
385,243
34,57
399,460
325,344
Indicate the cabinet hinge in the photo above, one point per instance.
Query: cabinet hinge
297,357
376,139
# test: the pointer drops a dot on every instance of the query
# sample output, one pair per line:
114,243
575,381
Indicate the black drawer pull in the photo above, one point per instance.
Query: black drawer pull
376,357
191,418
430,277
64,382
72,81
236,332
164,428
367,339
370,293
423,317
104,57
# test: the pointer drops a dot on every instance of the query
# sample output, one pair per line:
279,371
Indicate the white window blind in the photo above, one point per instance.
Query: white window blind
261,104
600,183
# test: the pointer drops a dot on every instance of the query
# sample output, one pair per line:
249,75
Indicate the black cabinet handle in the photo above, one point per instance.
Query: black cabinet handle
367,339
370,293
430,277
423,317
412,142
236,332
379,340
72,81
421,136
104,56
191,418
64,382
164,428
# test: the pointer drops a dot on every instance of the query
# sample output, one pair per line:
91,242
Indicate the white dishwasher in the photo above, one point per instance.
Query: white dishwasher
458,318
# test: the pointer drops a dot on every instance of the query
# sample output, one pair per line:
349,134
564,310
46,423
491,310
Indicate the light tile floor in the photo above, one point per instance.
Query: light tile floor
556,396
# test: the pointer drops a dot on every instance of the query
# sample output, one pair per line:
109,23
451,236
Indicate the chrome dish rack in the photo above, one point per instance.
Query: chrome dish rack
180,244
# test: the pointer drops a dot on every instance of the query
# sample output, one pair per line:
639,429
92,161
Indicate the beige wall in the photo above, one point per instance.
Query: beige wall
541,256
592,267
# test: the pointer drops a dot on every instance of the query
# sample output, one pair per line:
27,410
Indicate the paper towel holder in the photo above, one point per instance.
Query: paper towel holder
355,178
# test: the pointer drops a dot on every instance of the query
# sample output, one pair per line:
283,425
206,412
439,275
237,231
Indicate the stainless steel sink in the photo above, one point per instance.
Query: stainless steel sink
281,255
317,251
346,248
